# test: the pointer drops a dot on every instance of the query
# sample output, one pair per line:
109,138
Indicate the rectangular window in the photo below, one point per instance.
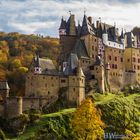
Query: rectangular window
112,66
139,60
115,58
109,57
134,59
63,81
121,59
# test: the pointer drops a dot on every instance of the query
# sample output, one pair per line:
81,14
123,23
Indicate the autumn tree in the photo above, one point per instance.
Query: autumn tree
86,122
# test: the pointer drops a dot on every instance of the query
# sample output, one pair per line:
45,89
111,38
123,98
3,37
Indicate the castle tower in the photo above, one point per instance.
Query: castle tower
37,68
68,37
105,35
99,74
107,74
76,92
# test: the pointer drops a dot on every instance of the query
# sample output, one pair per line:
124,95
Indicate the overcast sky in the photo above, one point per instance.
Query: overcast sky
44,16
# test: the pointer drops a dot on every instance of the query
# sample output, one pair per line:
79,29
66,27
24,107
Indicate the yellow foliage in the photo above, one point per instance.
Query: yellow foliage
86,122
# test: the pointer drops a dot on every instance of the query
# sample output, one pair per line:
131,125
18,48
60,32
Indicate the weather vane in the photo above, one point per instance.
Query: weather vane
84,11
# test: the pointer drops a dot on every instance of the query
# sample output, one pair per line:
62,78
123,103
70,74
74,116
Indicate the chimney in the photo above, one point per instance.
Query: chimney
97,24
90,20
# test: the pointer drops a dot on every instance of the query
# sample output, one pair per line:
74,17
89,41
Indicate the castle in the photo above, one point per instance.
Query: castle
94,57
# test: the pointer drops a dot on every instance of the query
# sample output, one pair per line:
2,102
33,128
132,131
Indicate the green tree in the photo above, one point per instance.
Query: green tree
86,122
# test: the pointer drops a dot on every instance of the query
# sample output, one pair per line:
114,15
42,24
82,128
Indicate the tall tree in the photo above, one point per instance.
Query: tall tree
86,122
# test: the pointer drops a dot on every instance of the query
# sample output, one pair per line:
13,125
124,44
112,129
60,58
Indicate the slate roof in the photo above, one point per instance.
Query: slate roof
87,28
80,49
72,64
46,65
129,36
63,24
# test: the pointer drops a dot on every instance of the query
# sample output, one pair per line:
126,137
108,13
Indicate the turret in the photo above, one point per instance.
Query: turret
80,72
71,28
107,76
37,68
99,74
122,36
86,26
62,29
105,35
76,91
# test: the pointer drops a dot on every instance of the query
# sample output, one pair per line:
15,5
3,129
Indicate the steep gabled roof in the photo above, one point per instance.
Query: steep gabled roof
87,27
63,24
80,49
70,26
46,65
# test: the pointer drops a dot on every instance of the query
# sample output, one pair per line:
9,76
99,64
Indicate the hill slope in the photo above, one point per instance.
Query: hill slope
16,53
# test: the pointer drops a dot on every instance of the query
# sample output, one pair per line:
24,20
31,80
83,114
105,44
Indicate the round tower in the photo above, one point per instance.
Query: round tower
105,36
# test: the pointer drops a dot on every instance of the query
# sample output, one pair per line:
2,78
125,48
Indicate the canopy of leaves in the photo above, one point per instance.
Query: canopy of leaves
16,53
121,114
86,122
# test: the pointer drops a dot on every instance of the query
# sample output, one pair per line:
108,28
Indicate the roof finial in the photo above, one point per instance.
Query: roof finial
100,19
84,11
78,22
114,24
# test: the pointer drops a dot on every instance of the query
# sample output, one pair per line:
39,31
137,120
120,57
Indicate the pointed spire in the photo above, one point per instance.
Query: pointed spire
122,34
79,69
84,11
62,25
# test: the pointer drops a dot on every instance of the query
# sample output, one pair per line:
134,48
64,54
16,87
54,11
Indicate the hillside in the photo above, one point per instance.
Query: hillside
112,109
16,53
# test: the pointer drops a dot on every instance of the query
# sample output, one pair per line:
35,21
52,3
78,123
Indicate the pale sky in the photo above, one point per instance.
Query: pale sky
44,16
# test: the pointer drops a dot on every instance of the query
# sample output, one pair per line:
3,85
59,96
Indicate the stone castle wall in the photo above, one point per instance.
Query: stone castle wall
41,85
1,110
13,106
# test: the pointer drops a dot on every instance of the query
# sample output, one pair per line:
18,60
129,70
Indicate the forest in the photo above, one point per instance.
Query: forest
16,54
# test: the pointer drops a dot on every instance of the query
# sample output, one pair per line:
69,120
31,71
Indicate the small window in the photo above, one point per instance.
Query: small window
74,89
63,81
115,58
121,59
109,57
134,59
112,66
